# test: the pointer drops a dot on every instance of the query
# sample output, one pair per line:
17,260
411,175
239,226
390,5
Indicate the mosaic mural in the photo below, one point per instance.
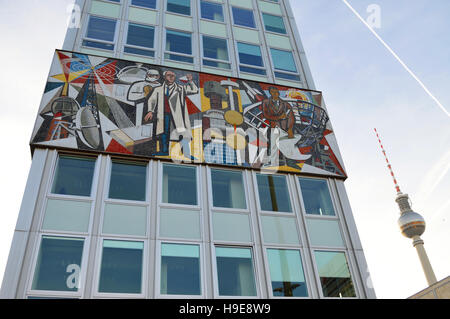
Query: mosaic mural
117,106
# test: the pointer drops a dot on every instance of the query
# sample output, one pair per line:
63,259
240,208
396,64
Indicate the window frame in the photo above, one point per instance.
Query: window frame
264,68
211,206
224,12
155,41
302,203
202,270
32,269
215,60
166,2
84,36
234,24
98,265
275,15
350,269
255,263
275,70
306,273
193,47
270,212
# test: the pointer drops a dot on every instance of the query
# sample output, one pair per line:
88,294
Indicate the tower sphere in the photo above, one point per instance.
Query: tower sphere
411,224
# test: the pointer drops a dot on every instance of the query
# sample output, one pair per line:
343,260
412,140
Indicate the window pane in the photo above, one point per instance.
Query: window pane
73,176
334,274
125,220
243,17
66,215
179,58
179,184
235,272
325,233
273,193
98,45
180,269
58,265
178,42
215,64
141,35
283,60
128,181
286,273
121,268
250,54
215,48
316,197
279,230
101,28
274,23
176,223
228,189
212,11
144,3
179,6
148,53
231,227
287,76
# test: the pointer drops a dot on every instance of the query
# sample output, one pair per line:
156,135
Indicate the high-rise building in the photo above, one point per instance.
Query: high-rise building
181,150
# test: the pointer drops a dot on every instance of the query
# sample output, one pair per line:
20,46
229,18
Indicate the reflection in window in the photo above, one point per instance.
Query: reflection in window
286,273
250,58
283,62
273,193
121,267
228,189
215,52
235,271
180,269
179,184
243,17
334,274
316,196
211,11
73,176
128,181
59,264
179,6
274,23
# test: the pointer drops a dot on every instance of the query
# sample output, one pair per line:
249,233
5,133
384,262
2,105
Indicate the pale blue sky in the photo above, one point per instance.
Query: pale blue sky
363,85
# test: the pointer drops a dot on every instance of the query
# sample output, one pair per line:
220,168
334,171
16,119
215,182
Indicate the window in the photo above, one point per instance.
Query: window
243,17
228,189
232,227
179,184
316,197
250,58
179,6
151,4
180,269
128,181
286,273
273,193
215,52
334,274
274,23
73,176
140,39
211,11
65,215
178,223
235,271
179,46
59,264
284,64
121,267
100,33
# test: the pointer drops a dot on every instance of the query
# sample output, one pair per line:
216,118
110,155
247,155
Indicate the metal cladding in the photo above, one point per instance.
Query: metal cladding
121,107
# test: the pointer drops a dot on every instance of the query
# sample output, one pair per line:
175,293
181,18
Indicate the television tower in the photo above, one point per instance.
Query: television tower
412,224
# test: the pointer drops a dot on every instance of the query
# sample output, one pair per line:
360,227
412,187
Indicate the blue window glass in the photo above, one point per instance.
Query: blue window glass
243,17
179,6
316,197
179,184
178,42
73,176
215,48
274,23
59,264
151,4
250,54
141,35
273,193
128,181
180,269
211,11
287,76
101,28
283,60
121,267
228,189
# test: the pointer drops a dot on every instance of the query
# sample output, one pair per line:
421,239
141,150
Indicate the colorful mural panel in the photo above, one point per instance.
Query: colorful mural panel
123,107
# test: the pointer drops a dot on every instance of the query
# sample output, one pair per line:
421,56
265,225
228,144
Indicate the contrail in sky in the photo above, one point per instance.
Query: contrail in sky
397,57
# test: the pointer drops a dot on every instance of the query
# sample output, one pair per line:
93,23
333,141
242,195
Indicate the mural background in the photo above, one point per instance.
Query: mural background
122,107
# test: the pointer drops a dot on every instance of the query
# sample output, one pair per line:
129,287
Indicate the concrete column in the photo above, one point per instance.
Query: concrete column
426,265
